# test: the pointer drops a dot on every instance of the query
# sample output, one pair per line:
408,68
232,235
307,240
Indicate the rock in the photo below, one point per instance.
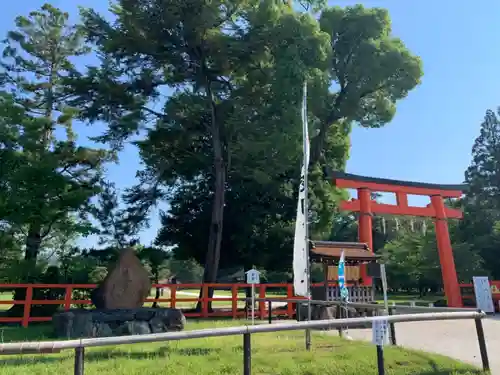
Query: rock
126,285
324,312
133,328
73,324
318,312
156,325
80,323
102,329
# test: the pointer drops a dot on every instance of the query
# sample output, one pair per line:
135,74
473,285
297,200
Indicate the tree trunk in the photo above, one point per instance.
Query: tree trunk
318,142
216,224
156,279
33,244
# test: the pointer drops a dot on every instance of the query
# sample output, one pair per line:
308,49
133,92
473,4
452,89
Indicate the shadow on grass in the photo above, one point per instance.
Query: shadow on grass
452,372
30,361
163,351
36,332
438,370
96,356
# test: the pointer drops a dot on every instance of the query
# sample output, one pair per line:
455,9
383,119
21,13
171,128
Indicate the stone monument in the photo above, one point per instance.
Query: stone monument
126,285
118,300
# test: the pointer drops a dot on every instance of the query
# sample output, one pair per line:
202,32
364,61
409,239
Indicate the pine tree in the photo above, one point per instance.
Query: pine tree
49,178
483,175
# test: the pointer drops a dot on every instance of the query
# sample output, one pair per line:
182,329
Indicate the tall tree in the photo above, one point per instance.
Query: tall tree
481,203
50,178
370,70
222,58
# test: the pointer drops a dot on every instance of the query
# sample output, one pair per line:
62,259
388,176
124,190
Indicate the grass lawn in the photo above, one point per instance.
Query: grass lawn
404,299
276,354
5,296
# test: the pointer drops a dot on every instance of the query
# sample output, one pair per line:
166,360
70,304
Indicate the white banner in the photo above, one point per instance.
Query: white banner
301,244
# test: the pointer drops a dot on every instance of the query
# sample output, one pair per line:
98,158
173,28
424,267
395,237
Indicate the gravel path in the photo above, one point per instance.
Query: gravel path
456,339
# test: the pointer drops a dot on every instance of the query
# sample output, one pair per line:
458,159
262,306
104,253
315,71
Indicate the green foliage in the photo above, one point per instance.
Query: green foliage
47,179
234,91
413,262
481,204
116,227
214,89
370,69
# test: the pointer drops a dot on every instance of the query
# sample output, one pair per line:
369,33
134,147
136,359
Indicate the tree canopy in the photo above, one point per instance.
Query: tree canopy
210,95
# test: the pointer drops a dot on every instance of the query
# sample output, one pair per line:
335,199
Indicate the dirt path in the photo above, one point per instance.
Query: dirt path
456,339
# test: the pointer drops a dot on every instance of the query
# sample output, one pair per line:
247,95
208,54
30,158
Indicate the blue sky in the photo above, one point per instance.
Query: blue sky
430,138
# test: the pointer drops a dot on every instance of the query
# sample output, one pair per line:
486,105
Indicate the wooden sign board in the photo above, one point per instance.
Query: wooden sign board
352,273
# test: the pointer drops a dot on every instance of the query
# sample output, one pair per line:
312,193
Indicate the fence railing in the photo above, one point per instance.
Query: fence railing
79,345
227,305
392,310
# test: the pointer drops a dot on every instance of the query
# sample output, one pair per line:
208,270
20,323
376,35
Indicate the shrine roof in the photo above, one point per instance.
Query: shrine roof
330,251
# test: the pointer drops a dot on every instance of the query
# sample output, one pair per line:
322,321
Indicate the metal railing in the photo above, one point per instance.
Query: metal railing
79,345
367,306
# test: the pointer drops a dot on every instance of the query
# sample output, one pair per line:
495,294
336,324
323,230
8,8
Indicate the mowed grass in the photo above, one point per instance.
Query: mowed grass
5,296
272,354
405,299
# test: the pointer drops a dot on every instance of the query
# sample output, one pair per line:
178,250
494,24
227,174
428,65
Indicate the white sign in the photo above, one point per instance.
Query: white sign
253,276
380,335
482,290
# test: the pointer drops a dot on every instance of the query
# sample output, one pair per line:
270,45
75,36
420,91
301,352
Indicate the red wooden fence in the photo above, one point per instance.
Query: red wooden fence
233,311
173,300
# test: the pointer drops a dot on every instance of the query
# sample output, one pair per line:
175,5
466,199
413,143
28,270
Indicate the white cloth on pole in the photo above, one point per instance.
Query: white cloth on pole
300,246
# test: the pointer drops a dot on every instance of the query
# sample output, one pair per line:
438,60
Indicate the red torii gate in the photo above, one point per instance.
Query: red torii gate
436,209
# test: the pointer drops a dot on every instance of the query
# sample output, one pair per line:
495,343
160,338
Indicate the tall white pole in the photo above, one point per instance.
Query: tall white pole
305,135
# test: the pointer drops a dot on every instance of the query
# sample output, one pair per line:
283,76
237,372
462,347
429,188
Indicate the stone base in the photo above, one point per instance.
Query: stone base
80,323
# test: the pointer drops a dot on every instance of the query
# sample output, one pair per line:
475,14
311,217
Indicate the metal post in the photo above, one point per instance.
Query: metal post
341,316
306,208
392,328
482,345
79,358
308,331
270,312
247,354
380,360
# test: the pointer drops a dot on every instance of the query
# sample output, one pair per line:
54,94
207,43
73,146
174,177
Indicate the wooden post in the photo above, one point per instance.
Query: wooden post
289,306
27,306
234,302
325,272
262,303
67,297
204,302
173,295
